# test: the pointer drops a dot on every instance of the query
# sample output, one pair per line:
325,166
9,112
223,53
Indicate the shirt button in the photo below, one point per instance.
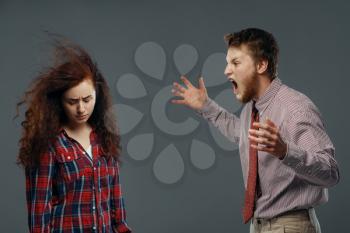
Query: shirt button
94,168
68,157
94,228
93,207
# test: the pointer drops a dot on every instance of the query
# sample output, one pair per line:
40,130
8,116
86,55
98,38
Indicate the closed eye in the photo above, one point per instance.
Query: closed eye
235,61
72,102
87,100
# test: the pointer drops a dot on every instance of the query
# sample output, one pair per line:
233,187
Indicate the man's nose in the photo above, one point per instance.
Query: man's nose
228,70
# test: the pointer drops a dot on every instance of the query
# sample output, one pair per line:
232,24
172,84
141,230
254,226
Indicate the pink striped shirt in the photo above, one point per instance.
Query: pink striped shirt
301,179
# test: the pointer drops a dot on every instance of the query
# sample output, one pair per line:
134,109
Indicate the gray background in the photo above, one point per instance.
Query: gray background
314,43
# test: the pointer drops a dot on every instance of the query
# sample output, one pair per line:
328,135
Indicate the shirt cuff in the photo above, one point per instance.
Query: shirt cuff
123,228
208,107
282,157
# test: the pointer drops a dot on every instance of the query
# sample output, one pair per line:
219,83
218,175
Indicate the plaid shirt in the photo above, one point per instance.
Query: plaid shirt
70,192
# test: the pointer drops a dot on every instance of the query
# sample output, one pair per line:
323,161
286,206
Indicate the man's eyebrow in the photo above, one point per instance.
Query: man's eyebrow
232,59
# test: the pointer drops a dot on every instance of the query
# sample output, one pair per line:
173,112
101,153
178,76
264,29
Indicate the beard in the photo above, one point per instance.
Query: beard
249,88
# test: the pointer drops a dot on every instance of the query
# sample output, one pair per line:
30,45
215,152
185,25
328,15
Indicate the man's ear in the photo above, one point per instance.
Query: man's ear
261,66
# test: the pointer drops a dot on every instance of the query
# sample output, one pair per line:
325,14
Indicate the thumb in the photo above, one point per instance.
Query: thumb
269,122
201,83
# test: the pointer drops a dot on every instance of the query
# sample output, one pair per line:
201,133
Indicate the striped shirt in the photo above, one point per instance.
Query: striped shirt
301,179
70,192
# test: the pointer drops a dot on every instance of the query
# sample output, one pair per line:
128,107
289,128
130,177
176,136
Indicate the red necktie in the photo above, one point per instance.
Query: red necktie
250,192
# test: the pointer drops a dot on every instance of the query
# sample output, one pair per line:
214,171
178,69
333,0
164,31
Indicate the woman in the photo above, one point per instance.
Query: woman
70,147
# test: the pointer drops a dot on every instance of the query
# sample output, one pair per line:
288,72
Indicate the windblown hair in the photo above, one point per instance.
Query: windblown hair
261,44
44,115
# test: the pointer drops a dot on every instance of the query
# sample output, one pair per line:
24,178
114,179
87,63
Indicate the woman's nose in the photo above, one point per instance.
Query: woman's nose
81,107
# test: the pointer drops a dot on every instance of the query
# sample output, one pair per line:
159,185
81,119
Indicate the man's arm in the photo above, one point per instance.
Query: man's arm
198,100
227,123
310,151
304,146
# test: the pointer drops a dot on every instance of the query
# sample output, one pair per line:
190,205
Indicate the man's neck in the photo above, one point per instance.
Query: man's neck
263,85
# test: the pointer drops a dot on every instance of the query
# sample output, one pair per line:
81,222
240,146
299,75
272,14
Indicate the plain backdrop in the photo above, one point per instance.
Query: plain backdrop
314,41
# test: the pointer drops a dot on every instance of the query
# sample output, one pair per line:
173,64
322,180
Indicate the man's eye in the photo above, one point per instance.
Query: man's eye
87,100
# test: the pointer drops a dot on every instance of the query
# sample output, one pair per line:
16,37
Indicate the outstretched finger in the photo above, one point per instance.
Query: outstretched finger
178,87
265,126
261,140
260,133
183,102
186,82
177,93
262,148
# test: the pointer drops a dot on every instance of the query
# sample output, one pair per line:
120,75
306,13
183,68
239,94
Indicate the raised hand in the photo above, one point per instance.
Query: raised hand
268,138
192,96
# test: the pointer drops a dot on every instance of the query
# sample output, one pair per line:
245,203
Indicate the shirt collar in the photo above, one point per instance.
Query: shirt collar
92,136
264,100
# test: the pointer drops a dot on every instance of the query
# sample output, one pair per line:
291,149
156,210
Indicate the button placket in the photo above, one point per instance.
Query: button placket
94,208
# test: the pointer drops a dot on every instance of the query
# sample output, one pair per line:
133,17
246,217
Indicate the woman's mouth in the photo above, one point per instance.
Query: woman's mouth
82,117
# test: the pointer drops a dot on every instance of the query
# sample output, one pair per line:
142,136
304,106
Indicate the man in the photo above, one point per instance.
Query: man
286,156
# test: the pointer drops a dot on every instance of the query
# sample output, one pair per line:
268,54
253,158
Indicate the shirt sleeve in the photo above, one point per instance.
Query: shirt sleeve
39,194
310,151
117,205
227,123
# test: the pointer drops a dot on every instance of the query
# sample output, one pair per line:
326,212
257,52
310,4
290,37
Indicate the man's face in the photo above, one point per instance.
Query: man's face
79,102
241,71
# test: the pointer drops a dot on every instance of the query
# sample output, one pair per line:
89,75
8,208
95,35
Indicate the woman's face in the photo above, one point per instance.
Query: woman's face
79,102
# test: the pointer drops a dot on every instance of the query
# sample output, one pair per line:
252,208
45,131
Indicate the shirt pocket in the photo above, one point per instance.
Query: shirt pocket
72,168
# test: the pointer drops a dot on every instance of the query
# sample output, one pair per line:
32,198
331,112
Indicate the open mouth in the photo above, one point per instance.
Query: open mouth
234,84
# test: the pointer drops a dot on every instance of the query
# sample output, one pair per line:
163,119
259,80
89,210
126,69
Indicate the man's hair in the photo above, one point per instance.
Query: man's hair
261,44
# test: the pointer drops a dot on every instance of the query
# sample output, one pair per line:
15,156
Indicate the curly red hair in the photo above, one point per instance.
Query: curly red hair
44,115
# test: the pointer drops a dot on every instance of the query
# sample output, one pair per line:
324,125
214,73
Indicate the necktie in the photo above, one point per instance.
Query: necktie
250,192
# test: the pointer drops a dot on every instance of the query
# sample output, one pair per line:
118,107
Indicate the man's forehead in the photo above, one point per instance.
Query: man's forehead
234,52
